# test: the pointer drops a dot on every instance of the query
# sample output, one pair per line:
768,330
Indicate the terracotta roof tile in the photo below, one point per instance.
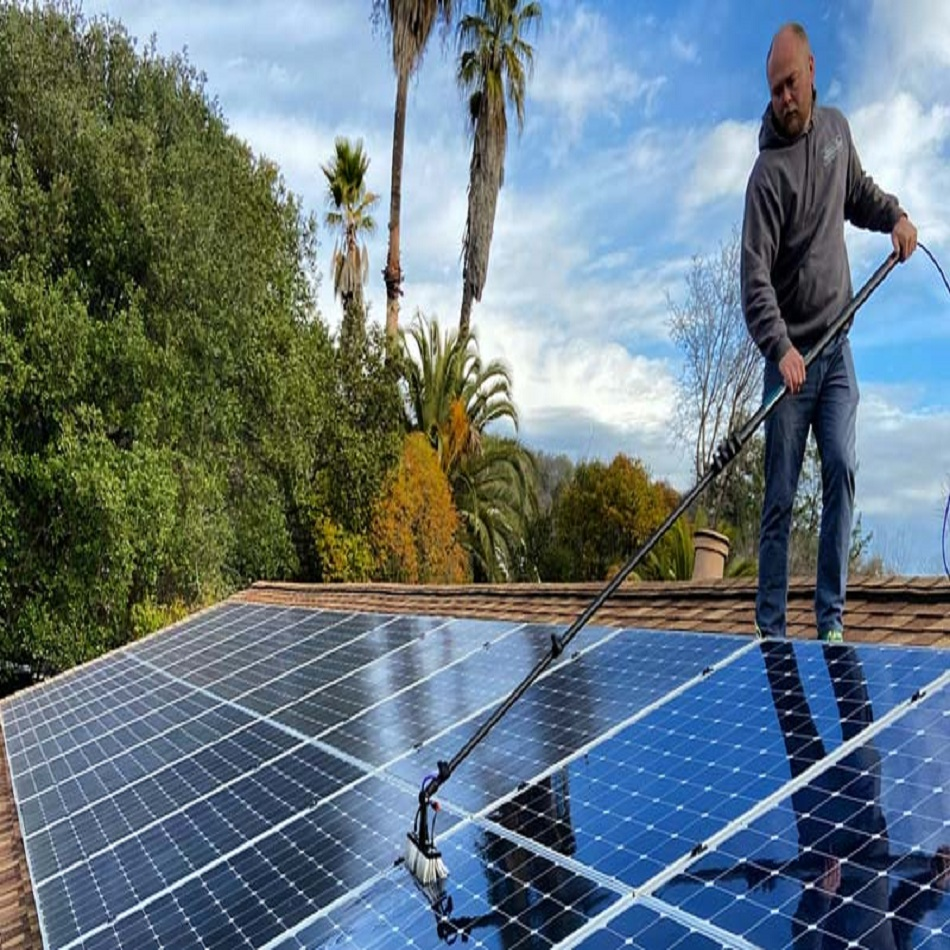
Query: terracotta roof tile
895,610
19,928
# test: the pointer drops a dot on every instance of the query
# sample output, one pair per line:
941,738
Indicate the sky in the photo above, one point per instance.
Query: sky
641,126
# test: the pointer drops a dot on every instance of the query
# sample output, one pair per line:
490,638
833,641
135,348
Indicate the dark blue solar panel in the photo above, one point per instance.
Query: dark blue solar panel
642,928
396,724
345,642
562,713
500,895
860,855
316,678
208,787
465,651
647,796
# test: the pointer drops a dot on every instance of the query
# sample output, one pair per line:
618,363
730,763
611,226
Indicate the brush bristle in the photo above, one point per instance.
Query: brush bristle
425,865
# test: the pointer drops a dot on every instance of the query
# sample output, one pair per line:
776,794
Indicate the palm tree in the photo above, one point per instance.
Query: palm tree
495,495
452,396
410,24
350,205
493,67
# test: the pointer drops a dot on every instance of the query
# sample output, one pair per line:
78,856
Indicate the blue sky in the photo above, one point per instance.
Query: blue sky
641,129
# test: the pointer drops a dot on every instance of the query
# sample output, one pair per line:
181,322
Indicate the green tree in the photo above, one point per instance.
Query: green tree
165,377
605,514
453,397
360,438
350,215
409,24
494,64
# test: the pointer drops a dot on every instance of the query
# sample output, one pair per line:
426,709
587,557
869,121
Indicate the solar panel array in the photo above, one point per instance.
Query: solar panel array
247,779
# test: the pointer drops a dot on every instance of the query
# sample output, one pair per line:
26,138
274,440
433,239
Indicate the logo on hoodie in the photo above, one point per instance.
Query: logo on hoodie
830,151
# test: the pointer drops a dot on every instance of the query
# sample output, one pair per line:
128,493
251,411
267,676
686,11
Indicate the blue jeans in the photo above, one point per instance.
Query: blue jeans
827,403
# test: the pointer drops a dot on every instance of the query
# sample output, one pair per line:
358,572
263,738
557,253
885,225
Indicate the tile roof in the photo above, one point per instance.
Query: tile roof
894,610
897,610
19,928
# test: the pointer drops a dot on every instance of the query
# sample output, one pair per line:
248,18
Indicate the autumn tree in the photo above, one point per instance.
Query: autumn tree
415,525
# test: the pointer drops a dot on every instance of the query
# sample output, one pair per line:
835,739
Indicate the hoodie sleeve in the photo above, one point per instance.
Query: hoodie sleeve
866,205
761,230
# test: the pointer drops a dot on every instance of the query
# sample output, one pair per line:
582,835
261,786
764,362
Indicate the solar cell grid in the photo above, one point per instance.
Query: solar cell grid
296,635
208,787
303,667
860,854
409,715
564,711
502,895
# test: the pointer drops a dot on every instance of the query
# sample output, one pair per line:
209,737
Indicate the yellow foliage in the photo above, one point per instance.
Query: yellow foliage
415,523
147,615
343,556
458,437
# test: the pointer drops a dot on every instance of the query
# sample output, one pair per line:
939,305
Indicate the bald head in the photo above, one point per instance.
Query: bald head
790,33
790,70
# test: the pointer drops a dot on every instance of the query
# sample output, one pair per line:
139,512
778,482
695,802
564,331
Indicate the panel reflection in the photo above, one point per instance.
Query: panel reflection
824,870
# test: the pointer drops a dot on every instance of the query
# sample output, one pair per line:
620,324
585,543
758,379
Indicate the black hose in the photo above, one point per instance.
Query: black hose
946,511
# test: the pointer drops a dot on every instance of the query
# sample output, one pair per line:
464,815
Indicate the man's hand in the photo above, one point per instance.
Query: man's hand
829,882
792,368
904,237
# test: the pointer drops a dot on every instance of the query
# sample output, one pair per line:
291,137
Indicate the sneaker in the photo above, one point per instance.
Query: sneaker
759,635
831,636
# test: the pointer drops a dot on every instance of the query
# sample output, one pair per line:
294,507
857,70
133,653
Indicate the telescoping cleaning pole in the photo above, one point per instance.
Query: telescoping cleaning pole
422,857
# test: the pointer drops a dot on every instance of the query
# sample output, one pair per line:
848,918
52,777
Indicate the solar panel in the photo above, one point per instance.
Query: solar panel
247,779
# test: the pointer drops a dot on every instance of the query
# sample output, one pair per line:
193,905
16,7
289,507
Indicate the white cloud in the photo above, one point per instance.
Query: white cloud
723,159
908,43
903,477
904,145
592,388
583,74
683,50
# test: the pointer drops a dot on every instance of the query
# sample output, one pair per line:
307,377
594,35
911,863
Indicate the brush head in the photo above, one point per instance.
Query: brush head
424,861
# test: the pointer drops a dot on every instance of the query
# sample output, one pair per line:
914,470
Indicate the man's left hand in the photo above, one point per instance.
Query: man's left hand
904,237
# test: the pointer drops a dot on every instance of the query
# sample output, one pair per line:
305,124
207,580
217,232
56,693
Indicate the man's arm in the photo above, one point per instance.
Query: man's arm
761,229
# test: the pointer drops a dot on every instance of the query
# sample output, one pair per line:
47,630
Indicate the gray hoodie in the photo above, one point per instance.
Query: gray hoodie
794,272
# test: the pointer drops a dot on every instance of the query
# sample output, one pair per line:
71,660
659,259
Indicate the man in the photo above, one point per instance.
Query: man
795,280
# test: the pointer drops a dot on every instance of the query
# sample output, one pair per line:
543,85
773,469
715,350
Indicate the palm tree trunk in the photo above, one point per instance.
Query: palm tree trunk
486,171
393,273
465,318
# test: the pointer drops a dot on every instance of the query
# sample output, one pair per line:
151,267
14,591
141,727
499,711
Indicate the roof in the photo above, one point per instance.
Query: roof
902,611
19,927
892,610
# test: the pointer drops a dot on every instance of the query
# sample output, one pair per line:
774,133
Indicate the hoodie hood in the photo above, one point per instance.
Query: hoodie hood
770,136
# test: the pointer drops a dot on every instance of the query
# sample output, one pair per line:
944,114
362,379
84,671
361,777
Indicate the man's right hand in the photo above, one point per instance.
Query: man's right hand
792,368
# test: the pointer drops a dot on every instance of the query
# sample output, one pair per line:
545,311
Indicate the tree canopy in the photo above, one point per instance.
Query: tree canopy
173,416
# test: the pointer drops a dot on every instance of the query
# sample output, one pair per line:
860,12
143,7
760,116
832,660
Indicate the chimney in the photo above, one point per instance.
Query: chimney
712,549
